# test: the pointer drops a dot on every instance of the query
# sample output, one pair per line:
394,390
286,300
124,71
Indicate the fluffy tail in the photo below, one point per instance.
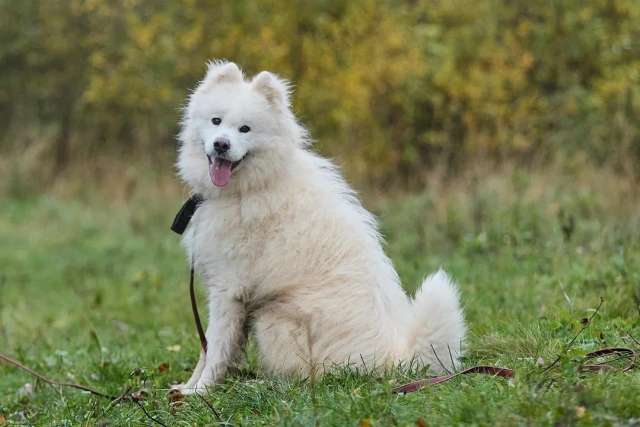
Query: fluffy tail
437,330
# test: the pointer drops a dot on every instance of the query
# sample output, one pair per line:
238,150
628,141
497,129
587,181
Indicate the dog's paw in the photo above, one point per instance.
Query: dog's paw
204,386
186,390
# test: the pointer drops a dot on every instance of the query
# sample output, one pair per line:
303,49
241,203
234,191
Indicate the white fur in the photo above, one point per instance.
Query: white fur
287,249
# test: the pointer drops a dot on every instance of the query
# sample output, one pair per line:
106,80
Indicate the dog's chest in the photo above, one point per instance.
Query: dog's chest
229,240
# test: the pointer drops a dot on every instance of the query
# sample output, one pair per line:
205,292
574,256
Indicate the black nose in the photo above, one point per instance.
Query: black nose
221,145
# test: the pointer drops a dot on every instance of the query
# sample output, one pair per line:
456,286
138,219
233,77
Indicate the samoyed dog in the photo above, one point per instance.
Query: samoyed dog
287,252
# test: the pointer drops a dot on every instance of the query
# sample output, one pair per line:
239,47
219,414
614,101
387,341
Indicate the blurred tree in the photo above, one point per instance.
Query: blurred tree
388,86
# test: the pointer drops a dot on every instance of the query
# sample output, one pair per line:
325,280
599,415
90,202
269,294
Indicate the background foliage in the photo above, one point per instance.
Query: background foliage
389,87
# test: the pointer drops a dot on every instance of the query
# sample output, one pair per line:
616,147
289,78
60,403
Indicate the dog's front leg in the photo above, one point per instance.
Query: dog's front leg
189,386
224,338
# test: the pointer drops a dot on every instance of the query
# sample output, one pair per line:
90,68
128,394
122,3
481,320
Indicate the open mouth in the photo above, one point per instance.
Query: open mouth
220,169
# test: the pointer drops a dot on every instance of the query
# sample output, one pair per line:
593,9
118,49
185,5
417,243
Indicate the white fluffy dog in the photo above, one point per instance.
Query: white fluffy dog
287,251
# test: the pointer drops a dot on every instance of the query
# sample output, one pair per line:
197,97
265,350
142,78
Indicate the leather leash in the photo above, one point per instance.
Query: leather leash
179,225
621,352
482,369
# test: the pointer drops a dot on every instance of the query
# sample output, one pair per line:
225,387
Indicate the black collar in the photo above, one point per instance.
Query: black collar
185,213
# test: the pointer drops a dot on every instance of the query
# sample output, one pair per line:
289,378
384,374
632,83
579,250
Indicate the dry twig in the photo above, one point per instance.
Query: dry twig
570,343
125,396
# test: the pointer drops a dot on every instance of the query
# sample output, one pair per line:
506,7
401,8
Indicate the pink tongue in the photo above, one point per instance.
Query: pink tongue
220,172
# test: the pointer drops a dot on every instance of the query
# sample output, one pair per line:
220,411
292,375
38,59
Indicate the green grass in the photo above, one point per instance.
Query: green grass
96,294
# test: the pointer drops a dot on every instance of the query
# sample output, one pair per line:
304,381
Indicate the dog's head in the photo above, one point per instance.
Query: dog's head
237,133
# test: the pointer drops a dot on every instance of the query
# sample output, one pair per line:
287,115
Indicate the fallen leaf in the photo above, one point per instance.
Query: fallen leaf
163,367
420,422
3,420
365,422
175,395
139,395
580,411
176,400
174,406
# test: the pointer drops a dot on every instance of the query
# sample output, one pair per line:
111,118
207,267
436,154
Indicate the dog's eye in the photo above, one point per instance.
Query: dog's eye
244,129
216,121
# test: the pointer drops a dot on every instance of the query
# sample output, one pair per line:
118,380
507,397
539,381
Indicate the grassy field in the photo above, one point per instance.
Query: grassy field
95,292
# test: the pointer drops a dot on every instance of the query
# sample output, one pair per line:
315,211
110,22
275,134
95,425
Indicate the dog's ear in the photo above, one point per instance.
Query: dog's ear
273,88
222,72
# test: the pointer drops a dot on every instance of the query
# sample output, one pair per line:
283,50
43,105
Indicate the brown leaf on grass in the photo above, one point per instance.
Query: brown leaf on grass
176,400
603,364
3,420
139,395
420,422
163,367
365,422
175,395
174,406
